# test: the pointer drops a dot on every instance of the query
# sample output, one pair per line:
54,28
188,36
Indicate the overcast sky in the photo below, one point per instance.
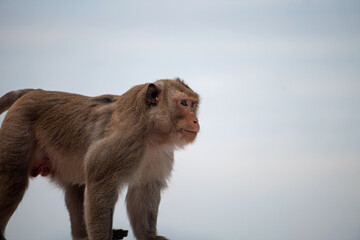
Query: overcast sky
278,156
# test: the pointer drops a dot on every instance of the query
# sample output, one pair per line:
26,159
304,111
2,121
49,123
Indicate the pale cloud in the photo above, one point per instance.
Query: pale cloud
133,41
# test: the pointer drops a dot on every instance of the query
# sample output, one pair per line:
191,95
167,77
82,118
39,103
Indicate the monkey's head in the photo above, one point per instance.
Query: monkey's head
173,111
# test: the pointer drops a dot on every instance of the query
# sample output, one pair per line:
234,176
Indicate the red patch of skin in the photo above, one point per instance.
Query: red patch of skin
43,168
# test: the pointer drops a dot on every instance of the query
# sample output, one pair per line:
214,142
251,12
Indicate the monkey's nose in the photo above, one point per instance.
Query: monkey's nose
196,124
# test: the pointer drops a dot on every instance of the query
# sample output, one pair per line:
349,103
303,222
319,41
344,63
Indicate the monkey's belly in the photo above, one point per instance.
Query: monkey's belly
69,169
63,168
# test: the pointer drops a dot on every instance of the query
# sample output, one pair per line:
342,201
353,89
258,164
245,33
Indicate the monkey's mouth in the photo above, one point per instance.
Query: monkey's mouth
188,131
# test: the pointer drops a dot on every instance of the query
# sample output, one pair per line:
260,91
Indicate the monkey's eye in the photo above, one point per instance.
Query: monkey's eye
184,103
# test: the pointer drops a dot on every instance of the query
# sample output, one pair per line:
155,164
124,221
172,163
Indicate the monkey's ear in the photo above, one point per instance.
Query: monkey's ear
152,94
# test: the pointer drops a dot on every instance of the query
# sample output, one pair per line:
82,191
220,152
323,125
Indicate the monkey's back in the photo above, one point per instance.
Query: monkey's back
62,119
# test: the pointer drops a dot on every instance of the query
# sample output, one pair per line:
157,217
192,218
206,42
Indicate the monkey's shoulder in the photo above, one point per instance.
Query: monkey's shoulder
107,98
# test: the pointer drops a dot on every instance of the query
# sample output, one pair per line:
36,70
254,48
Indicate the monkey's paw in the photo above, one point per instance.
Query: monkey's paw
119,234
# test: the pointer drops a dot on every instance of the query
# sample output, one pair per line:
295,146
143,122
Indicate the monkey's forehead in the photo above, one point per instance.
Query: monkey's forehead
178,96
178,88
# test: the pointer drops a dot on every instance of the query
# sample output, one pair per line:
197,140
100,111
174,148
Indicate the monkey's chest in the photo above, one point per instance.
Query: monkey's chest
156,165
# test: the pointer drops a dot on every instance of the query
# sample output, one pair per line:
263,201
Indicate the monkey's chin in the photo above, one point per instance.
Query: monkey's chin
188,136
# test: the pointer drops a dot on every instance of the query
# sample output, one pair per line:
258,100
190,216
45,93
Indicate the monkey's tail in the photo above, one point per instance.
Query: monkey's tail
8,99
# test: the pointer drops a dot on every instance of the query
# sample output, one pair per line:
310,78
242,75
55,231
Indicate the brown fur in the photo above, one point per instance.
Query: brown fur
92,147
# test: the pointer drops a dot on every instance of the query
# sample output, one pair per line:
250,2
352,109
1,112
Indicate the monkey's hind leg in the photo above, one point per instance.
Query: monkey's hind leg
15,147
74,199
13,183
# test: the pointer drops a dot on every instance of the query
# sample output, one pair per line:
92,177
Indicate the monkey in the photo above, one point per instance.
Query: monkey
94,147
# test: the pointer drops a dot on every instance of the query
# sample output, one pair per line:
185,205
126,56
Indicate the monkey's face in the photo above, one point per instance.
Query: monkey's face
187,124
174,111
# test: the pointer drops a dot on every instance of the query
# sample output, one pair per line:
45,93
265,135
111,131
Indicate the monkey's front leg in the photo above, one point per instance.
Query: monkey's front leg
100,199
142,205
119,234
